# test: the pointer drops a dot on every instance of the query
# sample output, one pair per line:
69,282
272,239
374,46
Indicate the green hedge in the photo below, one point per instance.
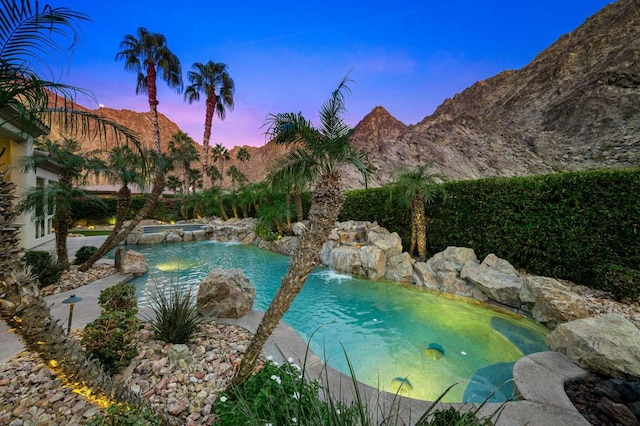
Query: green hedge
562,225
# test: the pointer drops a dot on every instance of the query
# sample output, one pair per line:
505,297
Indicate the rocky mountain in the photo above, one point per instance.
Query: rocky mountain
575,106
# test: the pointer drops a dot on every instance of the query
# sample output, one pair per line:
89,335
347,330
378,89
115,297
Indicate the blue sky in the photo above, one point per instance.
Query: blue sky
407,56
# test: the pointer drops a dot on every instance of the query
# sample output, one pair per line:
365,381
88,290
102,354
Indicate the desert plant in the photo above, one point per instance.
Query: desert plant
44,267
125,415
83,254
280,395
176,317
111,338
119,297
454,417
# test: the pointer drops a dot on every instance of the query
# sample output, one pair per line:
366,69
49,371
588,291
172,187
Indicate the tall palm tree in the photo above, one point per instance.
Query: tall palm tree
243,155
215,175
174,183
213,81
74,168
220,153
125,167
145,55
182,150
416,188
323,151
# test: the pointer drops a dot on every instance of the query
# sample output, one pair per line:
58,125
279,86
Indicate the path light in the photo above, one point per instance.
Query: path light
71,301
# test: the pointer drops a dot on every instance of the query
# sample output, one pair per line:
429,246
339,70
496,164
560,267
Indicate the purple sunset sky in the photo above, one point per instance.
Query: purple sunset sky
407,56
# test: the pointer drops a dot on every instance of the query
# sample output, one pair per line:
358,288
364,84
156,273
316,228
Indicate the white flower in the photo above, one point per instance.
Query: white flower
290,360
294,420
268,424
270,358
276,379
223,398
337,411
296,395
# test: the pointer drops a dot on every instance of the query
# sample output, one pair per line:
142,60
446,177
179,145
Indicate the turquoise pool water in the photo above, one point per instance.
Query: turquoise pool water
399,338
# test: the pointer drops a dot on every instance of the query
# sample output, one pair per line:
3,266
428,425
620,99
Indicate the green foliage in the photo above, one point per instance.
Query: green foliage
44,267
263,230
166,209
84,253
111,339
279,395
454,417
124,415
621,281
176,316
561,225
119,297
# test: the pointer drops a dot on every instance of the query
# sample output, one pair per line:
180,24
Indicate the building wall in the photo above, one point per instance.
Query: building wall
15,152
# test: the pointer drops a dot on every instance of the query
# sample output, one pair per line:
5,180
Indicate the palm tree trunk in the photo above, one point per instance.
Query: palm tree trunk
414,227
223,213
208,123
116,238
325,208
421,228
234,208
26,312
61,223
152,94
297,197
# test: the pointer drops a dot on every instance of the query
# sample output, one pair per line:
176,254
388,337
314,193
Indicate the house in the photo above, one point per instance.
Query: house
16,143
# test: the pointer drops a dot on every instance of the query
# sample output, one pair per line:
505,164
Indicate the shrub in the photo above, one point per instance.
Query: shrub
176,317
263,230
453,417
279,395
112,338
622,282
123,415
84,253
44,267
119,297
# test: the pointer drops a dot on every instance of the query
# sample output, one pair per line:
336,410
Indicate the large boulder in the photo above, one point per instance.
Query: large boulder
133,262
608,344
498,286
389,242
225,293
494,262
373,261
346,259
452,258
151,238
400,268
424,277
553,303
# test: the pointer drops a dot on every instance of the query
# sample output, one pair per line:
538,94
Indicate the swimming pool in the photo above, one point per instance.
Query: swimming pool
398,337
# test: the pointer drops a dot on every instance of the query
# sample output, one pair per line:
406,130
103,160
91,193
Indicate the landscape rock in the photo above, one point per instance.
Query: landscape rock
389,242
151,238
174,236
553,303
225,293
134,262
608,344
458,256
423,276
496,285
493,261
400,268
373,262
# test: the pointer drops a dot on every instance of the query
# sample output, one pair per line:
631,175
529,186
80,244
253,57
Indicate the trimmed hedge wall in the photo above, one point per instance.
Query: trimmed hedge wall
562,225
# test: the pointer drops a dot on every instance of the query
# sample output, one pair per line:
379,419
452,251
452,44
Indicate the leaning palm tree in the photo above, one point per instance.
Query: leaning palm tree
323,151
213,81
74,166
415,188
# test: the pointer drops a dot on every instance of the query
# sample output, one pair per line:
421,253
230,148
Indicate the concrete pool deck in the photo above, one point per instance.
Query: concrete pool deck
539,378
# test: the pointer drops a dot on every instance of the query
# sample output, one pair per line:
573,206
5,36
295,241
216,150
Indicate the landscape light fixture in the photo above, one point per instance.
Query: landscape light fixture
71,301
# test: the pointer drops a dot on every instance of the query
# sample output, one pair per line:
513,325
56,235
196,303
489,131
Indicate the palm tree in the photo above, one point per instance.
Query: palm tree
322,151
215,175
74,167
145,55
220,153
213,81
126,167
243,155
174,183
182,150
416,188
